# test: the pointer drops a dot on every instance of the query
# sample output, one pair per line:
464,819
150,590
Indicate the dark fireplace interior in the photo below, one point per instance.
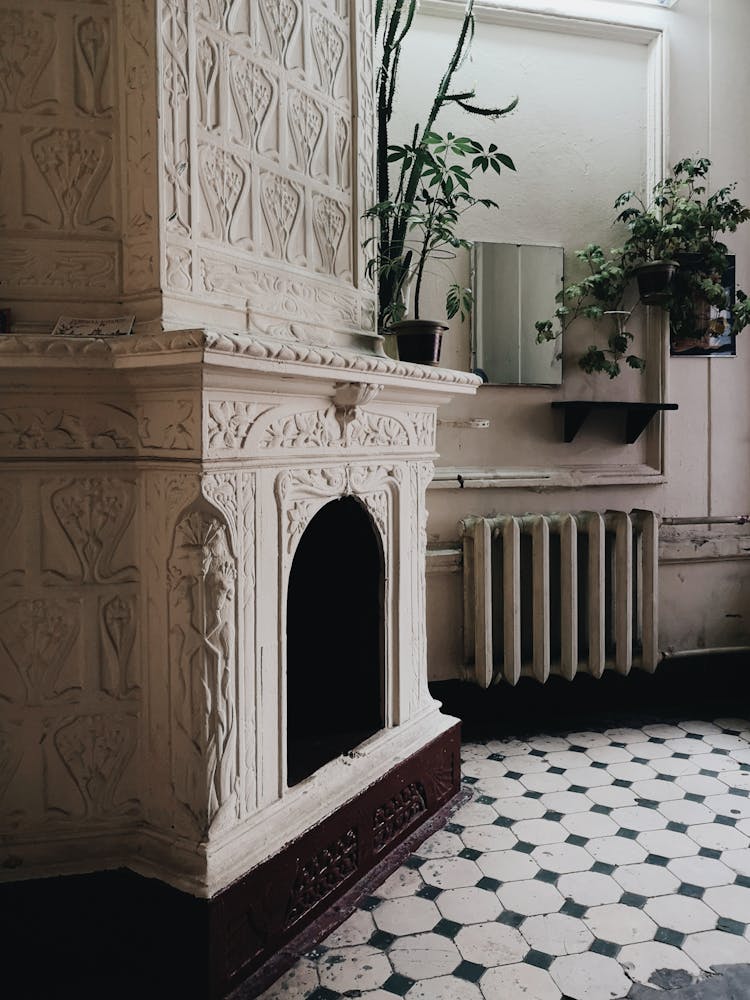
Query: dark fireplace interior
335,638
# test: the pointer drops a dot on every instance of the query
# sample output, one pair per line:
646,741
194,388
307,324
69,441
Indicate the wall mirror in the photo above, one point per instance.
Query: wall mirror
514,286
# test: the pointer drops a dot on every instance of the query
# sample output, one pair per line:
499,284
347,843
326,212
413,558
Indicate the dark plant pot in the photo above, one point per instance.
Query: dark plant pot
419,340
655,280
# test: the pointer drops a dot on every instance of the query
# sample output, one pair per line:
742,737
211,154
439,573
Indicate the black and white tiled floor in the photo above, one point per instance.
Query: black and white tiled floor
581,866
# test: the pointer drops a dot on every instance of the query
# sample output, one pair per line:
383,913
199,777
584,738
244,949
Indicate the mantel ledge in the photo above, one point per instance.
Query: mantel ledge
186,347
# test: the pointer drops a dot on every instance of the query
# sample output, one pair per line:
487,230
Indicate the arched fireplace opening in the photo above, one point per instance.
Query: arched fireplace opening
335,638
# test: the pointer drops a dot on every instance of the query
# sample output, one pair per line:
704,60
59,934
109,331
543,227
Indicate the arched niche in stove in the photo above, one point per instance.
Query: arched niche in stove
335,638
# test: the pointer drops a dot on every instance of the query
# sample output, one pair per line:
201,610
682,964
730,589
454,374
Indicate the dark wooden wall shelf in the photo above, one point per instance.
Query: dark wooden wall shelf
637,415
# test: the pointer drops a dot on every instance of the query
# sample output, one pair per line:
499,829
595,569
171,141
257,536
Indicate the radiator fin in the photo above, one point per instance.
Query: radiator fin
560,593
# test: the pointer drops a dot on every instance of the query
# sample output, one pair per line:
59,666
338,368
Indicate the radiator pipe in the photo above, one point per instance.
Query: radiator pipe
679,654
729,519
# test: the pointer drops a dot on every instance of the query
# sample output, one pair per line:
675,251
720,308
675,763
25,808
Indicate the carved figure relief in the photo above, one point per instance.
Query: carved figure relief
96,750
39,636
92,48
202,574
94,515
76,168
118,628
27,42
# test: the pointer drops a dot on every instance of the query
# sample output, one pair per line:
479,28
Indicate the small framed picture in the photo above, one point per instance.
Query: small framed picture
714,337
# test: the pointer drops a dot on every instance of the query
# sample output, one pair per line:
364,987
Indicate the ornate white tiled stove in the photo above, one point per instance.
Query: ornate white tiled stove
168,480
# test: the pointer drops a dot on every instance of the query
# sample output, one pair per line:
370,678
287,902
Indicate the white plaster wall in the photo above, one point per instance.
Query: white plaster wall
704,459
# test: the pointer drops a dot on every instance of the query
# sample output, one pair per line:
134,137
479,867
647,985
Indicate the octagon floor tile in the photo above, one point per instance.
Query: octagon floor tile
511,981
557,934
712,948
359,968
469,906
590,977
530,898
422,956
680,913
491,944
644,961
620,924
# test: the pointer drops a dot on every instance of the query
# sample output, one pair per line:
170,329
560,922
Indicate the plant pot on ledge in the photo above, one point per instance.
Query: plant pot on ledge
419,340
655,281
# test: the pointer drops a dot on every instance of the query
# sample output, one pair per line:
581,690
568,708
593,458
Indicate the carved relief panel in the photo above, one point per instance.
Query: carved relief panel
258,162
58,95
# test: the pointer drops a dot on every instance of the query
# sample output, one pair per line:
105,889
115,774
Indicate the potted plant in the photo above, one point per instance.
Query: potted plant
424,187
598,296
675,255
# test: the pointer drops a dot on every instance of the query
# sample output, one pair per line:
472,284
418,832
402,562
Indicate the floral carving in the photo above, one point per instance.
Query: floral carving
424,428
74,164
27,41
139,84
175,81
280,17
229,422
281,206
94,514
38,636
96,750
202,575
306,124
92,45
222,176
341,141
179,268
323,429
252,90
117,640
328,47
329,219
166,426
35,428
60,266
207,63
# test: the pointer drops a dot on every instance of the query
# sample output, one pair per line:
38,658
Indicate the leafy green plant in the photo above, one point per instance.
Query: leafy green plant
447,166
423,187
596,296
683,223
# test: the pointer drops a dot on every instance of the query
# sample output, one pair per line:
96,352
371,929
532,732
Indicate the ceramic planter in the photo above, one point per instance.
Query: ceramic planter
419,340
655,280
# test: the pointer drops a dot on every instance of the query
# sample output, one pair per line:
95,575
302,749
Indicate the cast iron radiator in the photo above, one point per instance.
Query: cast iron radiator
559,593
